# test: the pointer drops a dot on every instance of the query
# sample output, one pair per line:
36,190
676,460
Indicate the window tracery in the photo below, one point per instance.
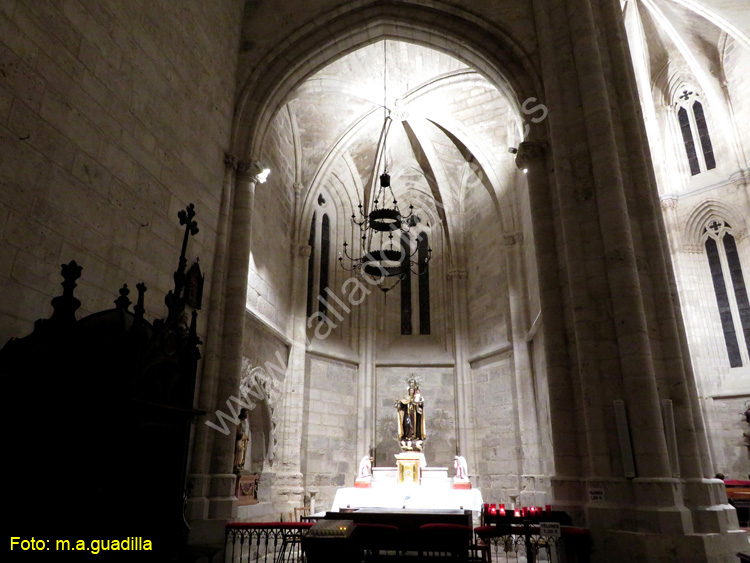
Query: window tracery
696,138
729,289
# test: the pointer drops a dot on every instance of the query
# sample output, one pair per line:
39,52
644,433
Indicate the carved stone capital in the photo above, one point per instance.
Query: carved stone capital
530,152
243,167
511,239
693,248
230,161
669,203
458,274
250,170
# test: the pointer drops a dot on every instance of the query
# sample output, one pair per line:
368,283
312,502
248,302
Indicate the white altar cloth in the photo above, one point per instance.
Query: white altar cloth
408,496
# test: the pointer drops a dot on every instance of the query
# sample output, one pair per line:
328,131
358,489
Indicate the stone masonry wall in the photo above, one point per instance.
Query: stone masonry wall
437,388
496,430
271,261
729,427
329,428
113,116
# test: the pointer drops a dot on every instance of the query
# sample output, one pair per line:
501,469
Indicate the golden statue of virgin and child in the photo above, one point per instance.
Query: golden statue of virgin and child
411,428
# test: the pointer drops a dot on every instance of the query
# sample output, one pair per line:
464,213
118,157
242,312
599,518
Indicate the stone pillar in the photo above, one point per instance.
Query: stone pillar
622,319
199,478
462,371
222,502
366,388
288,487
533,483
566,483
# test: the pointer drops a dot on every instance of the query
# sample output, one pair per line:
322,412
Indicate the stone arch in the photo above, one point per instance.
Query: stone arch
489,50
692,230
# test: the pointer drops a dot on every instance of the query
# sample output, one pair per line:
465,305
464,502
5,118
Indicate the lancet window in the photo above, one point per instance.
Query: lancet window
729,288
318,268
420,245
695,135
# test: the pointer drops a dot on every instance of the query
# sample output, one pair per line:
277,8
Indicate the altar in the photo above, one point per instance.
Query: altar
409,498
411,484
436,491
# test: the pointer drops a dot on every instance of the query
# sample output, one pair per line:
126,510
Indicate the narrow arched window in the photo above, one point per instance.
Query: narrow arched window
703,136
322,230
423,255
415,293
325,252
311,267
729,288
694,130
687,139
406,309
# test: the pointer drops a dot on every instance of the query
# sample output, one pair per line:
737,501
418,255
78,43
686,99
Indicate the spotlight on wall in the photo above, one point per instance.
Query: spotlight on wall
512,150
261,172
525,170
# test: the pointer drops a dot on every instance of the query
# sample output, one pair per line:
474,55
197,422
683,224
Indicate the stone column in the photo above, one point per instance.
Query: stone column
462,371
204,435
222,502
622,318
533,483
366,389
566,426
288,486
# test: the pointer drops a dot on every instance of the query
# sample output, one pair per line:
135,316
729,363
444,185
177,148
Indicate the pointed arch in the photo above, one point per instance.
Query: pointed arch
444,28
700,215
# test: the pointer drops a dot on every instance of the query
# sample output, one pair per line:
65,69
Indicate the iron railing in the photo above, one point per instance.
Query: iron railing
265,542
281,542
523,542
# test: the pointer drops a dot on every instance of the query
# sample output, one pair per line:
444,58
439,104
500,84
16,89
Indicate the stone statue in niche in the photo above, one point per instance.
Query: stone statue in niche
242,437
411,424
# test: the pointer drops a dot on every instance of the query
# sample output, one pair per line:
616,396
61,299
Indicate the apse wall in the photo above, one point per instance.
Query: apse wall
113,117
497,440
329,428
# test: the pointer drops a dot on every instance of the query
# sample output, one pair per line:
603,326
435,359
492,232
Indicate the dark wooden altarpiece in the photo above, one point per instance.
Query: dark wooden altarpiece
96,418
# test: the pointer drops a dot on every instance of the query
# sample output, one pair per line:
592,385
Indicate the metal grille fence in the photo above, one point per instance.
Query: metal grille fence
524,544
265,542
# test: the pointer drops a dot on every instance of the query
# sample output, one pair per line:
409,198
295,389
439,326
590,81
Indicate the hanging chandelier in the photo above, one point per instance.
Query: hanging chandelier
384,251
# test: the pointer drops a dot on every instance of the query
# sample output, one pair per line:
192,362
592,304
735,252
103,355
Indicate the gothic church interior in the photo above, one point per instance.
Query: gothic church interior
575,308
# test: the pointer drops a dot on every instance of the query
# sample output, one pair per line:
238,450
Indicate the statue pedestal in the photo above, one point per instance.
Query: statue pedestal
363,482
410,467
246,489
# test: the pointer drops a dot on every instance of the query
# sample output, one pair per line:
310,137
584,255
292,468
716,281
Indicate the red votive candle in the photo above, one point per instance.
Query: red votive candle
486,508
532,511
493,509
538,510
547,508
523,511
502,510
516,513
